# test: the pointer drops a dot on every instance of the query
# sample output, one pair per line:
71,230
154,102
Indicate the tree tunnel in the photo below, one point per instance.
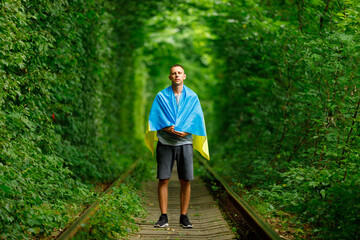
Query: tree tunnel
277,80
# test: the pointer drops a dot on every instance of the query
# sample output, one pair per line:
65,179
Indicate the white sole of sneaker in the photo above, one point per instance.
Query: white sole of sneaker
158,226
186,226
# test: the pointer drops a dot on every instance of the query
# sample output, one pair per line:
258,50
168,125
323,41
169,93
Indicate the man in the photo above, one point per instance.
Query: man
177,119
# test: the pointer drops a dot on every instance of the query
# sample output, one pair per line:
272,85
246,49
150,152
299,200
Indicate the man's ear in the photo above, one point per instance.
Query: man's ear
184,76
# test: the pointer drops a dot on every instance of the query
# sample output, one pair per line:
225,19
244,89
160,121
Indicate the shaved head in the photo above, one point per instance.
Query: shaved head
177,65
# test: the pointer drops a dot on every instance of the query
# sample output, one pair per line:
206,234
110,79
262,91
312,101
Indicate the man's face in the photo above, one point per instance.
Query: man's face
177,75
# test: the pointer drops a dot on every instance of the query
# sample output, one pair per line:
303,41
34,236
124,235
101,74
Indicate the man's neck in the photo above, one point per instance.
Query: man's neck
177,89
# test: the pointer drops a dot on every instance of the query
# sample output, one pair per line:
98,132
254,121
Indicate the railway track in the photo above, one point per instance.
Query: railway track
204,213
69,232
247,223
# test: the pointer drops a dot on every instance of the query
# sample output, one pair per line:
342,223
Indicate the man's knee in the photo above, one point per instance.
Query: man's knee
163,182
184,182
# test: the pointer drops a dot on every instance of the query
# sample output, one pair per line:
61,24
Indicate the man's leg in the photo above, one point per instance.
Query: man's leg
163,203
184,203
165,163
184,196
186,173
163,195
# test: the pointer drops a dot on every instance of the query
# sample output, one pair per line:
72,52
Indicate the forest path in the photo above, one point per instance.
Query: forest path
203,213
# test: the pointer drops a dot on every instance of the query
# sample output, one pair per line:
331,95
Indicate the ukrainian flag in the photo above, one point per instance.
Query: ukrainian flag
187,117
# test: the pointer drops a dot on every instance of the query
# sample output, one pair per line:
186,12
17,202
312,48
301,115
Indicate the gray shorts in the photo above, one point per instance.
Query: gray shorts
165,157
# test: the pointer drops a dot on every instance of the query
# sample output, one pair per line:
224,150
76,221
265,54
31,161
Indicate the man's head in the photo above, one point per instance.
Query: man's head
177,75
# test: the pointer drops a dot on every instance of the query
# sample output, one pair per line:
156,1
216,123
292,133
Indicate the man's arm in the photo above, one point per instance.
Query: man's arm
172,131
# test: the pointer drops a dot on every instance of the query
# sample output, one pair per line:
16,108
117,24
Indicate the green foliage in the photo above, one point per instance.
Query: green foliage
287,107
65,118
115,216
278,81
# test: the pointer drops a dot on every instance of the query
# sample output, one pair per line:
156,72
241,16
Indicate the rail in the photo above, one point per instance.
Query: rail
76,225
263,230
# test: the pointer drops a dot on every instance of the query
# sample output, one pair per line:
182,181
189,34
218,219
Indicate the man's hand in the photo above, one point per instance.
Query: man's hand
177,133
169,129
180,134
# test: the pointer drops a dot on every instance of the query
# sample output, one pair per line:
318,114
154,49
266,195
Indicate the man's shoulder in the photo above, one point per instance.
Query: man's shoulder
164,92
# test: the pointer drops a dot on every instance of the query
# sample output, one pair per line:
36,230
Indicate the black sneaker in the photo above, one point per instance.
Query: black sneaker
163,221
184,221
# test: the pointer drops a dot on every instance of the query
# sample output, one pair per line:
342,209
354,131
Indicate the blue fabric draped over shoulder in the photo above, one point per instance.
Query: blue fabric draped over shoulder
187,117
